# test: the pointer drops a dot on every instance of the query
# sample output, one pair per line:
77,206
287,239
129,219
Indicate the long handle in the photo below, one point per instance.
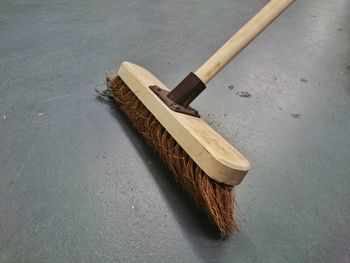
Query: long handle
241,39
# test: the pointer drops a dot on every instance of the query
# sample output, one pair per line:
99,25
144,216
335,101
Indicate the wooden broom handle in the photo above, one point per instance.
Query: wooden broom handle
241,39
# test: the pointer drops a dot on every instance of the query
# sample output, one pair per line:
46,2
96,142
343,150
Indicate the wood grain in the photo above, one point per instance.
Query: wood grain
211,152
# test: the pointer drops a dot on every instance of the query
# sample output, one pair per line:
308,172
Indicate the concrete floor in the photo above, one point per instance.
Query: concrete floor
78,184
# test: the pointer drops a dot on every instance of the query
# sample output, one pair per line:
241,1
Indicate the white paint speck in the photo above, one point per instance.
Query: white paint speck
4,116
40,114
132,207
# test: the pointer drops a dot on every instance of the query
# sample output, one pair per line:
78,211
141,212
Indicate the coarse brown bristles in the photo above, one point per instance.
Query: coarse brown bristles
215,198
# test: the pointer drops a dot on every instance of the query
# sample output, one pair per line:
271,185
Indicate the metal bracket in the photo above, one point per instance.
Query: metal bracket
163,95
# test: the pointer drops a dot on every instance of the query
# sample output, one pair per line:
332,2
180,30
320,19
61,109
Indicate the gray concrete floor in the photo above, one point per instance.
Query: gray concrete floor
78,184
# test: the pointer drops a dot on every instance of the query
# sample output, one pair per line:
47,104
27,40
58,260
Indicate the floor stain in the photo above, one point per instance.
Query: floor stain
231,87
303,80
243,94
296,115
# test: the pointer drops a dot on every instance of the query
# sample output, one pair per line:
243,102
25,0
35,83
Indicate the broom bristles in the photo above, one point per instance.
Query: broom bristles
215,198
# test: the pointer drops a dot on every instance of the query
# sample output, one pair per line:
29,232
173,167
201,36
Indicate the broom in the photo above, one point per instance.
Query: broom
205,165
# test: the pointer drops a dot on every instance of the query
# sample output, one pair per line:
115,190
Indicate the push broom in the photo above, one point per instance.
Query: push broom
205,165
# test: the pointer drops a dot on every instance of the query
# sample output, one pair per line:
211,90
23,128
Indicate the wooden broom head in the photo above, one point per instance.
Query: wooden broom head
214,197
